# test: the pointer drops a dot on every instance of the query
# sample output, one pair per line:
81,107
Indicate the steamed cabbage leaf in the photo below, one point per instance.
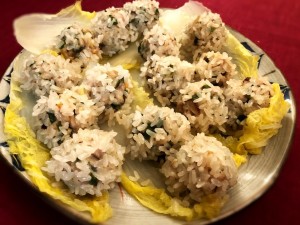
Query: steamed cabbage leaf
263,123
246,62
187,13
141,97
159,201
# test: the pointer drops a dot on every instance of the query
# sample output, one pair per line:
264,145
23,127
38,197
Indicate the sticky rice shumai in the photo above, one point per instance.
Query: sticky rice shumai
216,67
158,41
165,76
88,163
206,33
142,14
107,85
246,96
155,130
77,42
201,167
204,105
45,72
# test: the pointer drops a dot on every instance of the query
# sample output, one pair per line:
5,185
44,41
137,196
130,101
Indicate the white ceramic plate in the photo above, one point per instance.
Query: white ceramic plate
255,177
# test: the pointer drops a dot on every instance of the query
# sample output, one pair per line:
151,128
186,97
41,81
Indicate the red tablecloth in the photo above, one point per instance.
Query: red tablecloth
273,25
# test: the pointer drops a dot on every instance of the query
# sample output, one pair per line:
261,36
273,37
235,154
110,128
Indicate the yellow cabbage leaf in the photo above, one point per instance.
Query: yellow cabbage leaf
159,201
50,52
239,159
33,155
76,11
246,62
229,141
141,97
129,59
263,123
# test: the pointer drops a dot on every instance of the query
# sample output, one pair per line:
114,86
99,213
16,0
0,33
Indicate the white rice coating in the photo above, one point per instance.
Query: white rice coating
113,25
88,163
204,105
47,72
143,14
76,42
206,33
155,131
158,41
246,96
202,166
61,114
75,107
48,129
106,84
216,67
165,76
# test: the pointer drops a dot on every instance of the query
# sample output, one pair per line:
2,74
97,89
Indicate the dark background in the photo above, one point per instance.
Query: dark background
271,24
